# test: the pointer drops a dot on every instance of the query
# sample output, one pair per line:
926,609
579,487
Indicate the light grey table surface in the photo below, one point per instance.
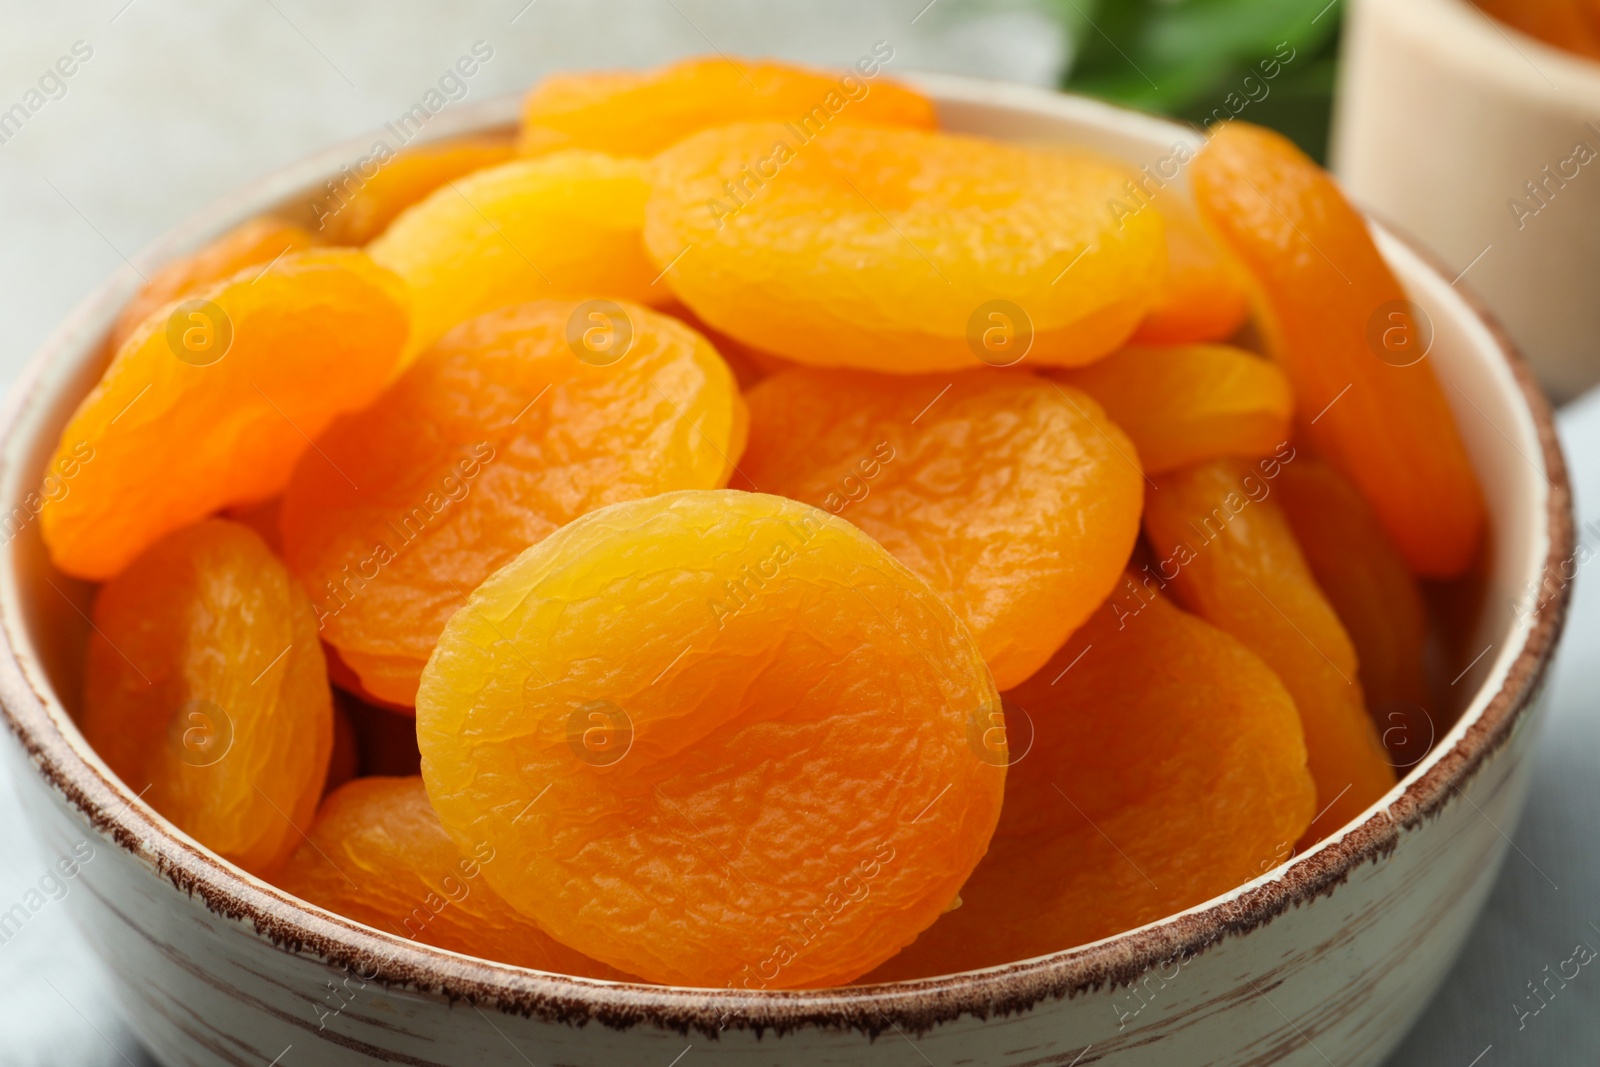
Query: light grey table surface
180,102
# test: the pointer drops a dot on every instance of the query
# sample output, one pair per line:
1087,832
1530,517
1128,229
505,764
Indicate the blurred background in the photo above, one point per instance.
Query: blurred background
172,103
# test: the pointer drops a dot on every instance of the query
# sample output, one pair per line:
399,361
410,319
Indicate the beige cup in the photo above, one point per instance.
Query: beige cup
1484,144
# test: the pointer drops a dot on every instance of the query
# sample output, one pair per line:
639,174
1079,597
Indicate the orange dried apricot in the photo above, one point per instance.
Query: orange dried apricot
345,680
638,113
563,225
1570,24
378,855
715,738
1336,318
221,397
516,422
1205,297
1367,582
1185,404
1166,766
258,241
1014,498
357,215
901,250
205,683
1231,558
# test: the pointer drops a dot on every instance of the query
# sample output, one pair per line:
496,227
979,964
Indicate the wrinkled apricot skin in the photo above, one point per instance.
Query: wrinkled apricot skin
1205,296
378,855
1166,766
357,216
903,251
563,225
1333,316
1186,404
631,113
390,527
715,738
258,241
1365,580
317,334
1014,498
1238,567
205,683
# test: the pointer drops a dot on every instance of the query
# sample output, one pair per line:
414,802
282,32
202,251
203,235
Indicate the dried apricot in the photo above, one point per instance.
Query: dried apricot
221,398
638,113
715,738
1570,24
1166,766
1336,318
1232,559
1186,404
347,681
361,208
1014,498
563,225
1367,582
256,242
1204,297
378,855
513,424
205,683
901,250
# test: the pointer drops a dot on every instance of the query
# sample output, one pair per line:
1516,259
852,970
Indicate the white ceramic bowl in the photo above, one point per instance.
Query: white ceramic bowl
1444,117
1327,959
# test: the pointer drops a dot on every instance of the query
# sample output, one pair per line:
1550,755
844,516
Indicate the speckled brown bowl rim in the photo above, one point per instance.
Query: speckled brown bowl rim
64,761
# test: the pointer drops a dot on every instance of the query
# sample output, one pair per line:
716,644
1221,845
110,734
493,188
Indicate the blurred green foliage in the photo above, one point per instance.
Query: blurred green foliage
1185,57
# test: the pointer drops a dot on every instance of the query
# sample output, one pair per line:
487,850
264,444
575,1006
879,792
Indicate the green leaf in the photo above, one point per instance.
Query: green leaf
1185,57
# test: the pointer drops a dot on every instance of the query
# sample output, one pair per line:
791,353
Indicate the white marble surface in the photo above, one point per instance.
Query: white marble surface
182,101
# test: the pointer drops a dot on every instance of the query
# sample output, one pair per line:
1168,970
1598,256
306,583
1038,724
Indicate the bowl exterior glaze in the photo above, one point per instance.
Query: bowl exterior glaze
1329,958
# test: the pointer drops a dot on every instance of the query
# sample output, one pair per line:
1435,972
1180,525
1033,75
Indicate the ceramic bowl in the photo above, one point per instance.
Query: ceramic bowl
1483,142
1327,959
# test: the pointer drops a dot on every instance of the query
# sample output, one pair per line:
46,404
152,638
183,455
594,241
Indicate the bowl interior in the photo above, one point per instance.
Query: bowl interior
45,613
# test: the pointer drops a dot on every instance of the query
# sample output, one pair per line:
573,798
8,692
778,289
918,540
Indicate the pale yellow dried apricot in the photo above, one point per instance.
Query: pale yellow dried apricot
360,208
901,250
638,113
562,225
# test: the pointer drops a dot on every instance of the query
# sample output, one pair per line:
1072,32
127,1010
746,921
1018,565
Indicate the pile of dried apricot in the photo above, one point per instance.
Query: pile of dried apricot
740,534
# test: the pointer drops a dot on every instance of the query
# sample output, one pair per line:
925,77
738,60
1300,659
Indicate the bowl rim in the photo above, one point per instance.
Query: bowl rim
66,763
